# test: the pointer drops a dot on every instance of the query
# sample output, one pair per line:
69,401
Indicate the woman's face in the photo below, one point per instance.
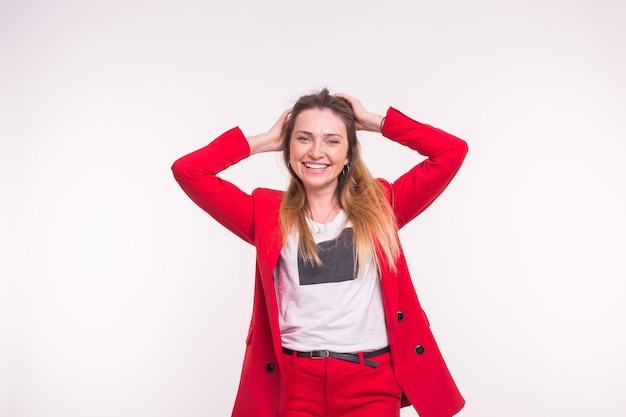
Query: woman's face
318,149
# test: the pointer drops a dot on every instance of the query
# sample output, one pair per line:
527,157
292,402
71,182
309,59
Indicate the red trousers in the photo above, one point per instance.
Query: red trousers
337,388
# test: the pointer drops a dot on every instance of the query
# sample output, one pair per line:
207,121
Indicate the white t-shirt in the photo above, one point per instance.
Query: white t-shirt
329,307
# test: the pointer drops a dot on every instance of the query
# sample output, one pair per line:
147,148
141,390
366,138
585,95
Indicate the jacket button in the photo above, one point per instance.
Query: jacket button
400,315
419,349
270,367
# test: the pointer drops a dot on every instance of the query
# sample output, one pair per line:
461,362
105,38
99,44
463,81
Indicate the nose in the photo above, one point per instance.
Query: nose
316,151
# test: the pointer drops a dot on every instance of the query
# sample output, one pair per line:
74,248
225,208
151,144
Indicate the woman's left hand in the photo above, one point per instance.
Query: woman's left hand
365,120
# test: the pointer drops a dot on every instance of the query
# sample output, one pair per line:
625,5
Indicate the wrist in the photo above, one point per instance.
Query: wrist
260,143
376,123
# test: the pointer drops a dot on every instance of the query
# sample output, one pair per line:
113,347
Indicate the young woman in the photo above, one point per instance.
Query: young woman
336,329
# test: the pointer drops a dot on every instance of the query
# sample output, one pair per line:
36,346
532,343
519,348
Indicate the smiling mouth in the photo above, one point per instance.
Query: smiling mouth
315,166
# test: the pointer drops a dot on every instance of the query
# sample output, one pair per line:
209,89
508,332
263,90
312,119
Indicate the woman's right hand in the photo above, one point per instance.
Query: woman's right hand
269,141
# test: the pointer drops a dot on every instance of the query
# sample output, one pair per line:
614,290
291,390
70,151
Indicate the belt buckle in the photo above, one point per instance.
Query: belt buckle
319,354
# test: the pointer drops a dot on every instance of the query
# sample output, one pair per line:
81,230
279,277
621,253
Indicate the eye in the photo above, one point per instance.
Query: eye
303,138
333,141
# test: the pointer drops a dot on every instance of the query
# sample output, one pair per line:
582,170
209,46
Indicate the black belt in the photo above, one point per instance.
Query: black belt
350,357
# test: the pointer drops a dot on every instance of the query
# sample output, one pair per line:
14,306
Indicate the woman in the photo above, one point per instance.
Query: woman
336,329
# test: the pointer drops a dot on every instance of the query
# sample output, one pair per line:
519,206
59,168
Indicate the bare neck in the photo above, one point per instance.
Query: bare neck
322,207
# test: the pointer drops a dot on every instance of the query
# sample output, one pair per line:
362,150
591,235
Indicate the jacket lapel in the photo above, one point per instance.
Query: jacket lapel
269,245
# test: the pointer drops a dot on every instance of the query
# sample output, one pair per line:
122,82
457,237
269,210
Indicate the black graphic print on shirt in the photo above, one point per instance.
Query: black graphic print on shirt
337,261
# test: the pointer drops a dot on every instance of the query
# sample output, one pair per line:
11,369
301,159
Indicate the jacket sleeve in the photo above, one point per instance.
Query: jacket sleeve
414,191
197,175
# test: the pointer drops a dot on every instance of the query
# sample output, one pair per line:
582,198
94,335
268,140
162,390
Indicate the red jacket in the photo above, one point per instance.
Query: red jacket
417,363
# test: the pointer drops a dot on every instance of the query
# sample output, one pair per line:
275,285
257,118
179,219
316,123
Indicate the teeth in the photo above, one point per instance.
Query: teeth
315,166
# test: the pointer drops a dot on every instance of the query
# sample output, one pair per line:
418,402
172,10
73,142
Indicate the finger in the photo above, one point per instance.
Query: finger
346,97
286,114
356,104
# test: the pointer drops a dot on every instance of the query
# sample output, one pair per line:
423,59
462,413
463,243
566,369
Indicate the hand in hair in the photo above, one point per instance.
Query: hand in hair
365,120
269,141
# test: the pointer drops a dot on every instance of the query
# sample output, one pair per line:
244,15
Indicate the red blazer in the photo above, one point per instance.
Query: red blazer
417,363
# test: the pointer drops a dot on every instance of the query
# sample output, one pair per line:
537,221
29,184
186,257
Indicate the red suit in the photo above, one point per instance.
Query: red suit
417,363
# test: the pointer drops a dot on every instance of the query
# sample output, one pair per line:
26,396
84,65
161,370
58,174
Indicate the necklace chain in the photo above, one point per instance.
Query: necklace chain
317,230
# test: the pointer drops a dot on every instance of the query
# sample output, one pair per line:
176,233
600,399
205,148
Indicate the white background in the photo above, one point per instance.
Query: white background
119,297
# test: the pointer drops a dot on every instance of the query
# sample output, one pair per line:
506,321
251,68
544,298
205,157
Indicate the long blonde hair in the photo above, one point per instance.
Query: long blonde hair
359,194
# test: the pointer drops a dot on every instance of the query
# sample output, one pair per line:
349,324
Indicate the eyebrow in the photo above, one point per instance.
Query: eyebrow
311,134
